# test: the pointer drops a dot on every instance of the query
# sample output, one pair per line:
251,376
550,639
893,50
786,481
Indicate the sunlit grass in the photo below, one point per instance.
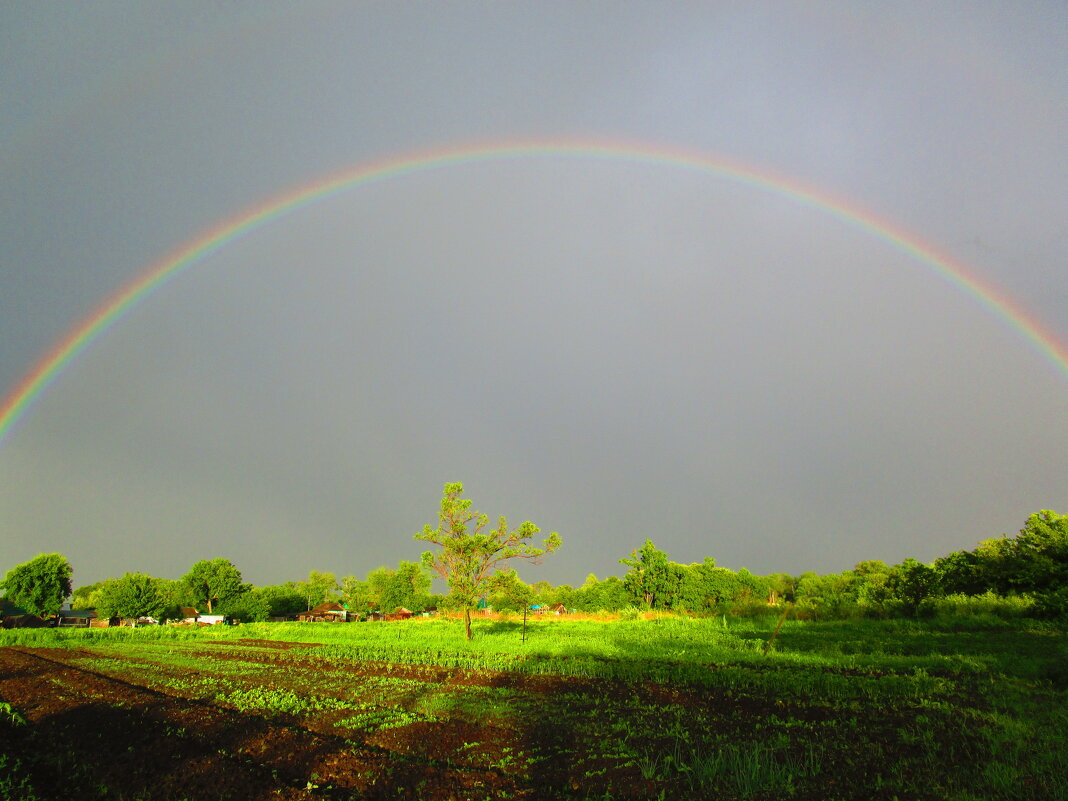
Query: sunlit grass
972,711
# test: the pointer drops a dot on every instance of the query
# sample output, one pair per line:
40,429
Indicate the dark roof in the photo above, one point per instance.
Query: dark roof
9,609
79,613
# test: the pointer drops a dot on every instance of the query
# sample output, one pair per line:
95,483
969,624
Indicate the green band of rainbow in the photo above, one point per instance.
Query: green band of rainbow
48,369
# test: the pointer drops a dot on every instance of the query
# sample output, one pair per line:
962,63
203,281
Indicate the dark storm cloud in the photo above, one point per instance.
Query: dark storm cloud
616,351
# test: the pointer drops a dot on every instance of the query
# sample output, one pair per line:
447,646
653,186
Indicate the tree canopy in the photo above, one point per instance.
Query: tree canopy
132,596
41,585
650,578
471,554
210,581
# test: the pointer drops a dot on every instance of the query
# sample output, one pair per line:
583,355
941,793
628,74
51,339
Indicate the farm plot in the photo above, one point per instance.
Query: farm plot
148,717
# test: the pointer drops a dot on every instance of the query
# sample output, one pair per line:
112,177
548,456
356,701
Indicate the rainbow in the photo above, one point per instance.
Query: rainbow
44,374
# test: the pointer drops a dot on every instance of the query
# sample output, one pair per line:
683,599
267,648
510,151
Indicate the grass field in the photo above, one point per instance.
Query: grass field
969,707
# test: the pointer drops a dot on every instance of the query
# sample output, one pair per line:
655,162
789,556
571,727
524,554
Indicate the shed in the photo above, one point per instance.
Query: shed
76,618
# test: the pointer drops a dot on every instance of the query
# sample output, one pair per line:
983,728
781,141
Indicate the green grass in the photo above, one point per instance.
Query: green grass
955,707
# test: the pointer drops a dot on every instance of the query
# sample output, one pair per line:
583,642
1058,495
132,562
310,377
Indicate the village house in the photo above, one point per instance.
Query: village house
191,617
327,612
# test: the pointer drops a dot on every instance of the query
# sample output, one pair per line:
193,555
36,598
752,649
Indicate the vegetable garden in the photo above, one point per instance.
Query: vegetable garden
664,707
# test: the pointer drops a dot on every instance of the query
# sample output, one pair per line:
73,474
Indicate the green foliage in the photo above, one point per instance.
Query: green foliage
15,784
407,586
652,580
253,606
319,588
41,585
86,596
210,581
511,593
277,600
470,554
911,583
353,592
9,715
132,596
609,595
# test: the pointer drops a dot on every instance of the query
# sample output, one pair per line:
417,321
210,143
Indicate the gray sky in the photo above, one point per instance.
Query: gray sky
615,350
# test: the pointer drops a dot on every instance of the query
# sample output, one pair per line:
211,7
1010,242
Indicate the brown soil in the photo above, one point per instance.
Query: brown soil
120,736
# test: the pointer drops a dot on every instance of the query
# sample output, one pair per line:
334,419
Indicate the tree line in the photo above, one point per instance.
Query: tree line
1032,565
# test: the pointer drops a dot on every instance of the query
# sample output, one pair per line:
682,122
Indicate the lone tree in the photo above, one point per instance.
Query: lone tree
212,580
41,585
469,554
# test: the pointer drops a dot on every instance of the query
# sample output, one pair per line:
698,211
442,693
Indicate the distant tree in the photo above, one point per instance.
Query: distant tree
703,586
470,555
511,593
253,606
869,585
609,595
1033,562
411,584
319,587
911,583
651,579
281,600
210,581
176,595
960,572
87,596
781,587
355,594
132,596
830,595
41,585
380,589
563,594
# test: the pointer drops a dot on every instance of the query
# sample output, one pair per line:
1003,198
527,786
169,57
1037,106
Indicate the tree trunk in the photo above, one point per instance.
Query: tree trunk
467,623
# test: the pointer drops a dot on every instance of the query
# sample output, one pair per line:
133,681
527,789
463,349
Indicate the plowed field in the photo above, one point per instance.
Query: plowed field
201,718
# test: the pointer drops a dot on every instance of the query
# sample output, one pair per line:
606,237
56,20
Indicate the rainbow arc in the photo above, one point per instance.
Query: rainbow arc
48,369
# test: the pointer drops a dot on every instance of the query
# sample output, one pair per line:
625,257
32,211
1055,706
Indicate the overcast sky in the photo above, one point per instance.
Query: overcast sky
614,349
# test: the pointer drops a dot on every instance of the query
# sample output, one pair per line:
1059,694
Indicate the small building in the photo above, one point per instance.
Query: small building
26,621
75,618
400,613
190,617
15,617
328,612
558,609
